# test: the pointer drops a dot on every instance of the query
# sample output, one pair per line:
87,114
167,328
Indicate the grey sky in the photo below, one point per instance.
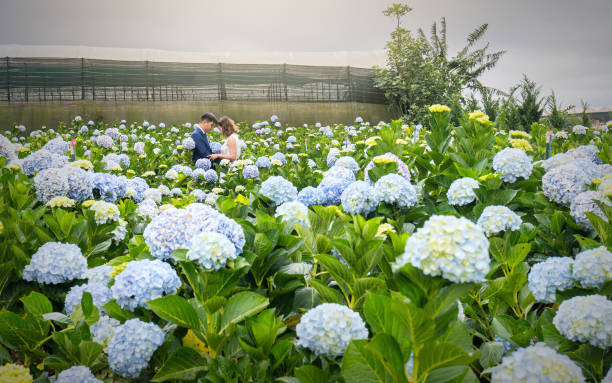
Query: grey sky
565,45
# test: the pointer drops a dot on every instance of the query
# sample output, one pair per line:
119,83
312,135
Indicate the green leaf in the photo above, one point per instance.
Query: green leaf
176,310
491,354
37,304
310,374
115,311
327,293
184,364
240,306
439,355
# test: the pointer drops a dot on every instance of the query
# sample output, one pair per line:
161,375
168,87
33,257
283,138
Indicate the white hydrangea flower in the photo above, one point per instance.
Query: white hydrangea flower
61,201
461,191
511,164
586,319
495,219
537,363
593,267
293,212
454,248
104,212
328,329
211,250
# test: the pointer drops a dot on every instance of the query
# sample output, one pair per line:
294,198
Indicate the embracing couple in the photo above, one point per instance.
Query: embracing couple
231,147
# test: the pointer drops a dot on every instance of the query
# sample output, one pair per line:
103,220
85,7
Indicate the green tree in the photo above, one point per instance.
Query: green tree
419,72
557,115
530,108
586,119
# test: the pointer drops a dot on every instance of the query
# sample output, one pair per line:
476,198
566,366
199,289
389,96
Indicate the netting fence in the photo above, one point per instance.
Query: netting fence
73,79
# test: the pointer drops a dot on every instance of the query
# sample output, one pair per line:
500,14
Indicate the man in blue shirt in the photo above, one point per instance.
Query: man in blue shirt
202,146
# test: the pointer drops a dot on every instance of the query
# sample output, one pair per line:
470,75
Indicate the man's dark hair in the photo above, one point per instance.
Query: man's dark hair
209,117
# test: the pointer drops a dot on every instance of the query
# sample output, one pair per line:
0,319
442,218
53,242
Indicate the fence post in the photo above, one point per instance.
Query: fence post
351,89
82,78
8,80
147,78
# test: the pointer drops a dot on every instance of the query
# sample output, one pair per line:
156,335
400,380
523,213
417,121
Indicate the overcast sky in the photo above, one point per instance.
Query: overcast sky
565,45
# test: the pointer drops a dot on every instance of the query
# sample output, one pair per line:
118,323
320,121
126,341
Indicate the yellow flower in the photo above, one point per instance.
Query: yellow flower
88,203
148,173
383,160
166,206
167,140
371,141
520,133
114,148
15,373
303,155
383,230
217,191
116,168
142,156
192,341
13,167
489,176
180,147
239,189
360,143
60,201
83,164
437,108
276,162
242,199
118,269
162,166
520,143
483,120
23,150
399,141
476,114
130,171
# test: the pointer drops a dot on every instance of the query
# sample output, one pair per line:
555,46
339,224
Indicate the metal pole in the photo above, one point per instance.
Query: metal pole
8,81
82,78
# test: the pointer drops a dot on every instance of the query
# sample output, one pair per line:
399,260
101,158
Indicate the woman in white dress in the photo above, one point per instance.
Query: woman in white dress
231,147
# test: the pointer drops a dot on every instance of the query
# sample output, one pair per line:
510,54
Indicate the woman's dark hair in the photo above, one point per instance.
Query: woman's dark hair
209,117
227,126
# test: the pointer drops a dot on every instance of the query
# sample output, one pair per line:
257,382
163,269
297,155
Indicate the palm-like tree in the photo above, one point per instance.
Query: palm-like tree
469,63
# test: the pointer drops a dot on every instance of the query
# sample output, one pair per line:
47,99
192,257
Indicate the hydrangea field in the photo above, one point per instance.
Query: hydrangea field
366,253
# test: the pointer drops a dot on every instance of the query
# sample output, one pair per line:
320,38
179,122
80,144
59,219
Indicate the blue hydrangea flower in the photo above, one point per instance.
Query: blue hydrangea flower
79,374
310,196
548,277
331,189
328,329
511,164
588,152
210,176
142,281
50,183
173,229
198,173
339,172
41,160
147,209
292,213
537,363
203,163
101,295
132,346
359,198
188,143
278,189
280,157
508,346
454,248
57,146
563,183
586,319
590,169
199,194
215,147
395,190
153,194
585,203
250,172
138,185
56,262
7,149
104,329
105,141
211,250
263,162
593,267
348,163
461,191
332,157
402,168
99,274
495,219
108,186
